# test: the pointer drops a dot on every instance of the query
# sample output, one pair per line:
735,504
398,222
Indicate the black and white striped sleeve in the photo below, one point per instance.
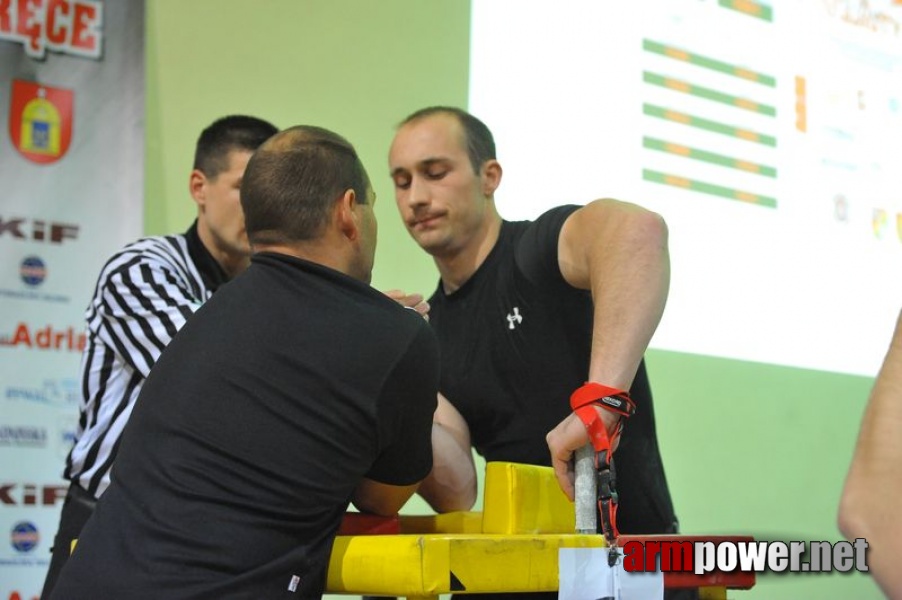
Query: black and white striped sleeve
142,303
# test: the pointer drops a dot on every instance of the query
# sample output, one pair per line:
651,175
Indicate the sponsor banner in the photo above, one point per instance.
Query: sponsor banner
23,436
72,105
29,514
32,270
58,393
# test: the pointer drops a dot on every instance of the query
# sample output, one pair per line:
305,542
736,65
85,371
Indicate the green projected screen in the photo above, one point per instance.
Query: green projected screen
769,136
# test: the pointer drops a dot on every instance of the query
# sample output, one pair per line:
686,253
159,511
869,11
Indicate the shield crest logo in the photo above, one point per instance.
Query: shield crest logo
40,120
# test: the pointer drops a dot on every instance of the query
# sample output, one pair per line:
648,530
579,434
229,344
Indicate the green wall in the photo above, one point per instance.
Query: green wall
749,448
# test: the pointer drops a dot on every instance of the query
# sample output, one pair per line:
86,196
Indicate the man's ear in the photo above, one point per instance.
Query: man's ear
491,176
347,216
197,187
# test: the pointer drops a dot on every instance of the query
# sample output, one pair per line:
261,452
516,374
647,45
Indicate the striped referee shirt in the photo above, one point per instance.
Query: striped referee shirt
144,295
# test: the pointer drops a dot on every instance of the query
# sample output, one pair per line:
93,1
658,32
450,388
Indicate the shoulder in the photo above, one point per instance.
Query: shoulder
542,232
536,243
556,216
416,346
166,256
400,323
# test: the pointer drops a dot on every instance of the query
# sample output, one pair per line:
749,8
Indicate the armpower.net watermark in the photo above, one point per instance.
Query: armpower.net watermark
704,557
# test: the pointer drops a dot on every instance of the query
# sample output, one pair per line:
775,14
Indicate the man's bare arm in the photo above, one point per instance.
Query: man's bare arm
618,251
870,502
451,485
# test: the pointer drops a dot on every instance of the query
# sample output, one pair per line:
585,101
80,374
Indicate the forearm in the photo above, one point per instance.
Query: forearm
870,500
451,485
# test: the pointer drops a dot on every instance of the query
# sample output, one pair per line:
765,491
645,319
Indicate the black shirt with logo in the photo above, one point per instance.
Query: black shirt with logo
515,342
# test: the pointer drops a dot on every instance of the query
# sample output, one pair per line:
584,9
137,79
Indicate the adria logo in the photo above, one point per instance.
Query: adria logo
37,230
31,494
45,338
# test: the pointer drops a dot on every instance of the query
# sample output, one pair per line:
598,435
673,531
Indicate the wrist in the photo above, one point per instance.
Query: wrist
609,398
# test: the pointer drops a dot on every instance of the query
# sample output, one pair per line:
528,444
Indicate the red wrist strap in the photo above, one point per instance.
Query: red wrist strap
595,427
608,398
604,467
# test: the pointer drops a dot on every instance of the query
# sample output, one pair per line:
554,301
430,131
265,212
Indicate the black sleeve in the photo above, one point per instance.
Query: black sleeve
536,251
405,413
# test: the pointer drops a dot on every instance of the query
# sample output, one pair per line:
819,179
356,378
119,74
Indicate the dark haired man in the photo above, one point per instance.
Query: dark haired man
528,312
143,296
293,391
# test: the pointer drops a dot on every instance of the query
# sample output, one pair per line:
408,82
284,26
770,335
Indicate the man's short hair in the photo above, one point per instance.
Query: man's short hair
234,132
292,181
480,143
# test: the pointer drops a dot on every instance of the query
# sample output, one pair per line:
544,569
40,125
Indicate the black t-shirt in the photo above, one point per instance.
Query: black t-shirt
253,430
515,342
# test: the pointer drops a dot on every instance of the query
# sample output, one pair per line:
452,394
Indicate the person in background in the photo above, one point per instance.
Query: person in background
528,312
143,296
294,390
869,507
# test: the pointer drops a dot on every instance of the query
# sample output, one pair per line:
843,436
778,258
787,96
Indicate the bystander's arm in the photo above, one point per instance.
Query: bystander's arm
870,502
141,308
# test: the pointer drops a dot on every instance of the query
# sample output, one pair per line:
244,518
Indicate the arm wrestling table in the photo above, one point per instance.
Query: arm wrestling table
512,546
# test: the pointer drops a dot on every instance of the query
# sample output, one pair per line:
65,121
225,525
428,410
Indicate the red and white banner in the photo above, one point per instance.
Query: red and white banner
71,167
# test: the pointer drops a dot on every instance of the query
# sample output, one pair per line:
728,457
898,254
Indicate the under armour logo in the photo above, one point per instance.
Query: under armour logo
514,318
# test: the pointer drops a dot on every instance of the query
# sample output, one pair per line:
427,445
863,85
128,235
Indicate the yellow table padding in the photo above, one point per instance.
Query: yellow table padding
431,564
525,499
453,522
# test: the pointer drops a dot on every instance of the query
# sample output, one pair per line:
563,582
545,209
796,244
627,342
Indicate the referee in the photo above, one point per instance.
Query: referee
143,296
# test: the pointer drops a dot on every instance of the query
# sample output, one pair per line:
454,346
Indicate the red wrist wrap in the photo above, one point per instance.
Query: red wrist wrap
583,402
608,398
598,433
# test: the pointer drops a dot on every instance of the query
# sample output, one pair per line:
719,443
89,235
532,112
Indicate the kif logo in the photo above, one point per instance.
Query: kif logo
31,494
40,121
37,230
32,271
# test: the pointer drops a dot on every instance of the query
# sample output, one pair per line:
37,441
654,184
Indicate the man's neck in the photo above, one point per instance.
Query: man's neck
315,251
456,268
231,263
